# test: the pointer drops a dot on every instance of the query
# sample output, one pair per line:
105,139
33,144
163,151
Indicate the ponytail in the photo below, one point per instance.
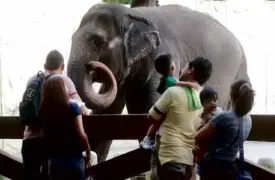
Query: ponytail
242,96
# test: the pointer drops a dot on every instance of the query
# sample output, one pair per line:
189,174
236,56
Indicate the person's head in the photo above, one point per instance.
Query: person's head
165,65
54,111
242,97
198,70
209,97
54,93
54,61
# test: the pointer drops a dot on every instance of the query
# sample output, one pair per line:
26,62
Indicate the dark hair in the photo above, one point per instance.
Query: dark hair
54,100
163,64
54,60
242,96
208,93
202,69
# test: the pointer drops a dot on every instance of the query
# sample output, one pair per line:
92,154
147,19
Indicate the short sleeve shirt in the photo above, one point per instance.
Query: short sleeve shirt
179,128
170,82
67,81
62,138
74,109
223,145
165,83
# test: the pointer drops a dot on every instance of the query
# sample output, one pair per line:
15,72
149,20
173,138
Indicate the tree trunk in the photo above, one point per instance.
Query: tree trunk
146,3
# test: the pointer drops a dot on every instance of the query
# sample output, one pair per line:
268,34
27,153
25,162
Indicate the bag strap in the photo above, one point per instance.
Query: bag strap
241,149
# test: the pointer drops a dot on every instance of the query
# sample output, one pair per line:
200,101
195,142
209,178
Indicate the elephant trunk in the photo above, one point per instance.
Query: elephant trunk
99,72
84,77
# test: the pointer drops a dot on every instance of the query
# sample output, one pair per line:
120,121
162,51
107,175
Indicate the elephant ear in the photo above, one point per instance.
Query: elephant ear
141,37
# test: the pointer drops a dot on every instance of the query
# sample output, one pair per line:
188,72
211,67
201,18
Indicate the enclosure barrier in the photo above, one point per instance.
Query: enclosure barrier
125,127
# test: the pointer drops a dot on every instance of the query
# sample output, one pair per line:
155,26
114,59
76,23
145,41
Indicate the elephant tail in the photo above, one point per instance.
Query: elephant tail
242,72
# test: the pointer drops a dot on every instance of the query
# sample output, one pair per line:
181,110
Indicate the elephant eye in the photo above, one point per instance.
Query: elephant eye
96,41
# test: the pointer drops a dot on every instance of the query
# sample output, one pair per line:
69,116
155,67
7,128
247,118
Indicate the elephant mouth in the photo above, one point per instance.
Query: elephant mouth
99,72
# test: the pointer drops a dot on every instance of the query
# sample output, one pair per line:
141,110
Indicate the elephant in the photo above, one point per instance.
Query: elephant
128,41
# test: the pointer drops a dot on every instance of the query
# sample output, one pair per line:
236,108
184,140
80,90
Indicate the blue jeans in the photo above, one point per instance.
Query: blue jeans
67,168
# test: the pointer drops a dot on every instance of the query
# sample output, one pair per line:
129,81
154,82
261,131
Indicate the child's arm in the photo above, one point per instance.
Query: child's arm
187,84
152,130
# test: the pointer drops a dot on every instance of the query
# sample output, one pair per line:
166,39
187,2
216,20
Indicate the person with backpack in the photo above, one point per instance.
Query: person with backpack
33,146
225,134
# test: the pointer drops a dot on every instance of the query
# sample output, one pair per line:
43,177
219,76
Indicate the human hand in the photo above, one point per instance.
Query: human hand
196,149
206,116
86,111
89,111
88,160
194,85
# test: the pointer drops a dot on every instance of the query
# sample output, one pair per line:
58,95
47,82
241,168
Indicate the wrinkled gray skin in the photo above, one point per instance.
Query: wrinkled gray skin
129,40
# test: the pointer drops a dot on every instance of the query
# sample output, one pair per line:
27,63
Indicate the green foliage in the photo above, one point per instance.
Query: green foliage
119,1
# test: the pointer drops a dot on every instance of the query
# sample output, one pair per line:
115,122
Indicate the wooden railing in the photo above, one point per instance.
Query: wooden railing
125,127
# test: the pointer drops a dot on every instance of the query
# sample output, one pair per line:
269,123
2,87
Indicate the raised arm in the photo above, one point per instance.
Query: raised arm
209,128
80,129
188,84
81,134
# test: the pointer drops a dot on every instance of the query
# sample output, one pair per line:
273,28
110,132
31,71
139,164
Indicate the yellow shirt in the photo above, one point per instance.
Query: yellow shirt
179,128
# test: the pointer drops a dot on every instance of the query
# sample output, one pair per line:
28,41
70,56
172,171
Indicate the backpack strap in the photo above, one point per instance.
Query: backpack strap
49,75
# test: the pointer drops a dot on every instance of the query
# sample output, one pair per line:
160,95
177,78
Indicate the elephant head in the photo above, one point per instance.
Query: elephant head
105,47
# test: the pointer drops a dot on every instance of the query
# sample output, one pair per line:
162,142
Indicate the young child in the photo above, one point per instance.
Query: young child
165,66
209,100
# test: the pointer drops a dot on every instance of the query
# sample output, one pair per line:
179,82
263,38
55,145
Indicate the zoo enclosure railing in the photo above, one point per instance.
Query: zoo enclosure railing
125,127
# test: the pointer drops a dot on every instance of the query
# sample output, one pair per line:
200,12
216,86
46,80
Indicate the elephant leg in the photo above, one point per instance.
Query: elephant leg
140,98
102,148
